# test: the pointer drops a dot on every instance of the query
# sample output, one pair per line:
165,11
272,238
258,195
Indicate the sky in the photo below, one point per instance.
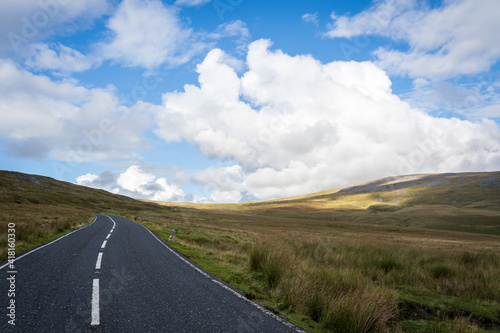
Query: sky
238,100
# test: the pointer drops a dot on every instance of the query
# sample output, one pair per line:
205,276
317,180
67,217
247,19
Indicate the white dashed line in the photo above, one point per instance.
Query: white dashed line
95,319
99,259
95,303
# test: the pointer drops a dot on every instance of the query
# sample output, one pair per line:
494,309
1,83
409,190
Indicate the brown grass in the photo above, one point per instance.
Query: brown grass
343,275
36,224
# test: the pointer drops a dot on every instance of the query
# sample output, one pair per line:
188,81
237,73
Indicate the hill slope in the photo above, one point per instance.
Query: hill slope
468,202
21,189
43,208
456,189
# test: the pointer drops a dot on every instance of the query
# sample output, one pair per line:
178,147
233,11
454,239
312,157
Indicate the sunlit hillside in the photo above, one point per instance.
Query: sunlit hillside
467,202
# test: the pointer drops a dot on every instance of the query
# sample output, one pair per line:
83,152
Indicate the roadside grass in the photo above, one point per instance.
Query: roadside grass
36,224
349,278
457,325
357,287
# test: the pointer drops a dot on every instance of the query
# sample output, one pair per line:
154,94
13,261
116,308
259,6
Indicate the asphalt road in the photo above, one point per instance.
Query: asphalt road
116,276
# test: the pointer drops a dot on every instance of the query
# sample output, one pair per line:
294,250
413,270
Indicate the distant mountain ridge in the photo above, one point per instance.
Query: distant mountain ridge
452,183
427,180
468,202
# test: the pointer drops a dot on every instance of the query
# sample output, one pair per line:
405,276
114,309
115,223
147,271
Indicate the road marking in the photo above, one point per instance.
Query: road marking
55,240
95,317
112,220
99,259
95,320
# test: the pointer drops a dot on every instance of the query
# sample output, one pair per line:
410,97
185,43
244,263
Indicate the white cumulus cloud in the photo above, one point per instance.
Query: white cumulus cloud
58,58
137,183
69,122
28,21
140,184
86,179
148,34
223,183
454,39
294,125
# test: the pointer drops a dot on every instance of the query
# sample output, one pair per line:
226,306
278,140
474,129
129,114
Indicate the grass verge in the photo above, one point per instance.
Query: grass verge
329,282
37,224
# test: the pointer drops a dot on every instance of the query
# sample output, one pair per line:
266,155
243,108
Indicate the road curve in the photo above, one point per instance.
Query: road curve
116,276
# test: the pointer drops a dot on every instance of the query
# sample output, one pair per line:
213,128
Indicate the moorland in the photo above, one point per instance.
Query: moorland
416,253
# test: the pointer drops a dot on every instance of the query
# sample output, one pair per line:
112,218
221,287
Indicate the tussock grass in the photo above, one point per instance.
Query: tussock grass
354,287
462,325
35,224
459,324
361,310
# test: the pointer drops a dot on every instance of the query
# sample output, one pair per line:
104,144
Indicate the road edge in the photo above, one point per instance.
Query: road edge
5,263
238,293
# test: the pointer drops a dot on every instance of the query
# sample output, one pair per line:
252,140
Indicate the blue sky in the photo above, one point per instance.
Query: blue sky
235,100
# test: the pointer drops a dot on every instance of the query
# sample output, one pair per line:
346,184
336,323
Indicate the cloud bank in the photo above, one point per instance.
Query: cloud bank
136,183
294,125
66,121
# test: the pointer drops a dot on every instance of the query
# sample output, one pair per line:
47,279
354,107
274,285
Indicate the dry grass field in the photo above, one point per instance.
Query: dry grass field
373,278
405,254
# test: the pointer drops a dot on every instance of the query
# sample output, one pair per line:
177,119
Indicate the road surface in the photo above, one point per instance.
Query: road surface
116,276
